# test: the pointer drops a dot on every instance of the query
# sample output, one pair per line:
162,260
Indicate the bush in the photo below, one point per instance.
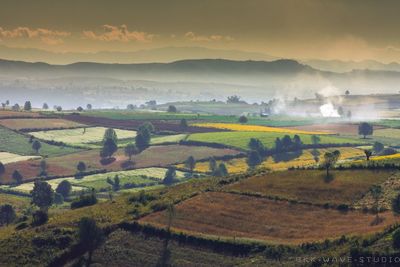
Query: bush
84,201
39,218
21,226
396,239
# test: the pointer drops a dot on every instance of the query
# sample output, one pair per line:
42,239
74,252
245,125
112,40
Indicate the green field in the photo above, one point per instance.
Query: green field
241,139
16,143
80,136
145,176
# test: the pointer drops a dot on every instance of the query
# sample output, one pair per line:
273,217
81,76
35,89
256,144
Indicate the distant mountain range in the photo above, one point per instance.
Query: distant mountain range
163,54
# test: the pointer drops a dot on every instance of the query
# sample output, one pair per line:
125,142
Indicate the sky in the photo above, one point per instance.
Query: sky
307,29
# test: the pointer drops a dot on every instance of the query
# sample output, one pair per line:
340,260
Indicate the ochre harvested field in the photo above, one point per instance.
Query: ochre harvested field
343,187
333,128
154,156
42,123
159,125
230,215
6,157
18,114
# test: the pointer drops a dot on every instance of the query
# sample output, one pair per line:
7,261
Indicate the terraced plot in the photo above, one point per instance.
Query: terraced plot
312,186
241,139
239,216
17,143
43,123
6,157
80,136
284,161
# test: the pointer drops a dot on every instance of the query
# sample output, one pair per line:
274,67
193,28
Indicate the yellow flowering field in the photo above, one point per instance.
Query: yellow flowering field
381,158
274,163
254,128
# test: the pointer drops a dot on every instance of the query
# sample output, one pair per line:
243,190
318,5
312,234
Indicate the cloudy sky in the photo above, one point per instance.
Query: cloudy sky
307,29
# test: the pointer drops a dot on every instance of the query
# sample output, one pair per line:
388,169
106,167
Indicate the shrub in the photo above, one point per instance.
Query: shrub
396,239
39,217
84,201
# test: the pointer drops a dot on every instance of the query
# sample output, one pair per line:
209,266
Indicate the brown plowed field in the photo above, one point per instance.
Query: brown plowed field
232,215
133,124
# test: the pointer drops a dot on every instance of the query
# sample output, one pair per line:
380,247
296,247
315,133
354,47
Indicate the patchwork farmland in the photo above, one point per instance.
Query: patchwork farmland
201,168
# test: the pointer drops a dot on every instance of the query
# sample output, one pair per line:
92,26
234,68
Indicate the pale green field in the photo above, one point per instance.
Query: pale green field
168,139
6,157
99,181
79,136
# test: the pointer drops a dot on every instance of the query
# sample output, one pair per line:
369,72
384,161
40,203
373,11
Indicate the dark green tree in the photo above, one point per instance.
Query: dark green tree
222,170
64,188
45,106
36,145
81,167
28,106
58,199
365,129
396,239
2,169
190,163
130,150
172,109
110,134
90,236
243,119
43,168
212,165
184,123
17,177
108,149
378,147
253,159
330,159
7,214
170,176
42,195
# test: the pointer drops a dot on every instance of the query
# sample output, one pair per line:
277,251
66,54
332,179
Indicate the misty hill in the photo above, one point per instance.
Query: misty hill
346,66
202,79
163,54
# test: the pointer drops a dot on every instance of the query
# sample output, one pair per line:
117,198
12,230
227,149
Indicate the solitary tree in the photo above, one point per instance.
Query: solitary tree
42,195
80,109
378,147
365,129
172,109
45,106
347,92
130,150
222,170
81,167
59,108
376,191
36,145
90,236
212,165
184,123
2,169
17,177
110,134
108,149
315,139
89,106
368,153
7,214
253,159
64,188
170,176
115,183
243,119
330,159
190,163
28,106
43,168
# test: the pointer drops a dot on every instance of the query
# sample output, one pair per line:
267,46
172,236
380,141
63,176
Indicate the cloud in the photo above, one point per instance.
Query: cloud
207,38
118,33
47,36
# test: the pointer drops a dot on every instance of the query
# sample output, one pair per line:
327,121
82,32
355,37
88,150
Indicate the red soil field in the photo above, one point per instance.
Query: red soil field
154,156
18,114
239,216
133,124
334,128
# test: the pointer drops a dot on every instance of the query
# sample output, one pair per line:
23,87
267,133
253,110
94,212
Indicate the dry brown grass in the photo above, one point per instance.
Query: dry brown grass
231,215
